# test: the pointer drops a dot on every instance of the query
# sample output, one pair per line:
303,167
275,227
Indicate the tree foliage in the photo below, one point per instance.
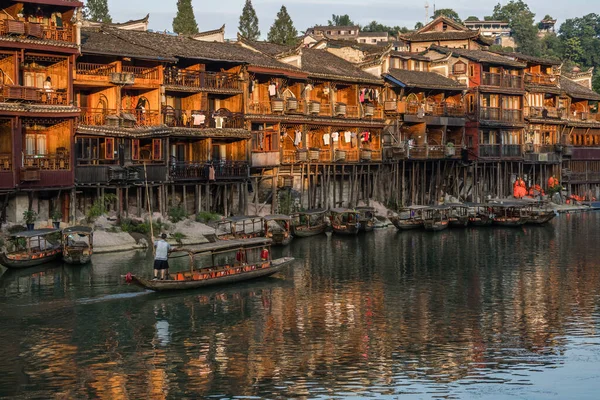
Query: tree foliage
375,26
581,40
447,12
282,31
340,20
521,22
418,25
97,11
472,18
184,22
248,26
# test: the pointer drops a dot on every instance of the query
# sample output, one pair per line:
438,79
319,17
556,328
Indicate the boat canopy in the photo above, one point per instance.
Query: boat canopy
314,211
365,208
342,210
35,232
78,229
239,218
226,245
456,205
277,217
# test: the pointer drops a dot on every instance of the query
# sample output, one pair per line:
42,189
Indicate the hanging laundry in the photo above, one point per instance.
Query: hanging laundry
377,94
335,136
261,140
297,138
251,86
272,90
198,119
347,136
364,137
326,138
361,96
211,173
353,142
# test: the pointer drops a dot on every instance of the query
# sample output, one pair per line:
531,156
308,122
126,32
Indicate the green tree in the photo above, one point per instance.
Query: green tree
248,26
375,26
282,31
447,12
418,25
521,22
184,22
340,20
472,18
551,46
581,40
97,11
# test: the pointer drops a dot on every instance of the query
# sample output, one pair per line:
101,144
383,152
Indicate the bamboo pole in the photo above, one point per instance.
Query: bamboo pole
149,211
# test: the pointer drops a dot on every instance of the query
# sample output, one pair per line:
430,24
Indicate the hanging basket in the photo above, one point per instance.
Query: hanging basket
277,105
340,155
314,107
292,104
365,154
313,155
369,110
302,155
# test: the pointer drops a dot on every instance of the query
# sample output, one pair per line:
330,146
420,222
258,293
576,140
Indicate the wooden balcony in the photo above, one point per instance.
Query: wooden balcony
102,174
541,79
51,162
544,112
503,115
95,116
199,170
36,31
505,81
500,151
584,116
96,73
202,119
33,94
144,75
144,117
203,80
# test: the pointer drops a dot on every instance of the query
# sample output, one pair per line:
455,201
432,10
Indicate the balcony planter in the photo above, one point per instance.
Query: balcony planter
390,106
292,104
528,147
277,105
365,154
313,154
314,107
340,155
369,110
29,217
340,109
302,155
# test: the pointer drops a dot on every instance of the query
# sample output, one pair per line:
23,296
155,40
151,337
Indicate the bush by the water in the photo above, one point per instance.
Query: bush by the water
205,217
177,214
143,227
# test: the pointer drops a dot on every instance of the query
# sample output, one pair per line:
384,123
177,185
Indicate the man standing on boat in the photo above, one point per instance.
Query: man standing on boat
161,263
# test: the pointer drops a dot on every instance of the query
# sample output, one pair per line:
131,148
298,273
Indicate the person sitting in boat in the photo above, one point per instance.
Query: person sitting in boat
264,254
161,263
240,257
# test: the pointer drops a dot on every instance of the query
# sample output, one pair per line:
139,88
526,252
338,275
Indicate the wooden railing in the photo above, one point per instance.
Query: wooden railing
48,161
541,79
502,80
441,109
500,150
33,94
202,79
498,114
144,117
201,119
325,110
259,107
143,72
6,162
200,169
95,116
35,30
95,69
584,116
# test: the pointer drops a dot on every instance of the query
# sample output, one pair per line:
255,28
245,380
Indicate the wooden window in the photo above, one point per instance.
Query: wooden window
109,149
135,149
35,144
459,68
471,70
156,149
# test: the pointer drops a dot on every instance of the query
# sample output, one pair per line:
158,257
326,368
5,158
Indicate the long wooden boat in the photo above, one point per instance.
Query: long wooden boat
366,218
240,227
436,218
458,216
78,244
509,213
479,214
278,229
540,213
344,221
32,248
409,218
250,263
309,223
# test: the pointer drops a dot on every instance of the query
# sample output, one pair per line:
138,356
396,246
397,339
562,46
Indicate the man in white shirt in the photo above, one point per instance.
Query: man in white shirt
161,256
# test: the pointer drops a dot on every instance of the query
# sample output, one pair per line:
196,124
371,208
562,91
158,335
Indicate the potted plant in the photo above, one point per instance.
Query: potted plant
29,216
56,218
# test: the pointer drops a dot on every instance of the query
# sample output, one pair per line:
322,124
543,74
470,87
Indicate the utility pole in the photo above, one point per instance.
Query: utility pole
426,12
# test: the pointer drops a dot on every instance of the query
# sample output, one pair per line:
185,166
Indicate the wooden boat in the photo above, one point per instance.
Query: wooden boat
458,216
309,223
509,213
344,221
278,229
32,248
436,218
78,244
479,214
540,212
366,218
240,227
250,263
409,218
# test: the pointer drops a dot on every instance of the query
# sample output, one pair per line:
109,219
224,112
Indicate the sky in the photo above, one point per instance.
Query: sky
307,13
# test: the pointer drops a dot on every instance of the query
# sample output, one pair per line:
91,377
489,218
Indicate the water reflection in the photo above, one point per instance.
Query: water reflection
457,314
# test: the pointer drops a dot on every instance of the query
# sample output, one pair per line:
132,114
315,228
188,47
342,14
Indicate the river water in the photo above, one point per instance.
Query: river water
478,313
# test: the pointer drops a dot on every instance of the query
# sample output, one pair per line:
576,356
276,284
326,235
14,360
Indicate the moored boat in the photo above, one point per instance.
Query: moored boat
458,215
78,244
366,218
409,218
309,223
278,229
540,212
509,213
31,248
240,227
479,214
436,218
252,260
344,221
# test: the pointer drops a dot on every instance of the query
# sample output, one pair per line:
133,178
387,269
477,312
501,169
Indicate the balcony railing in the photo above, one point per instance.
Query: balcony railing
5,162
502,80
33,94
143,72
202,119
500,150
144,117
200,170
541,79
584,116
51,162
441,109
498,114
35,30
95,116
95,69
202,79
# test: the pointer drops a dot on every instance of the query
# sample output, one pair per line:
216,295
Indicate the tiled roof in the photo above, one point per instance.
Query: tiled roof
45,42
323,64
530,59
435,35
480,56
211,133
37,108
408,55
104,41
137,132
365,47
424,80
271,49
576,90
372,34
